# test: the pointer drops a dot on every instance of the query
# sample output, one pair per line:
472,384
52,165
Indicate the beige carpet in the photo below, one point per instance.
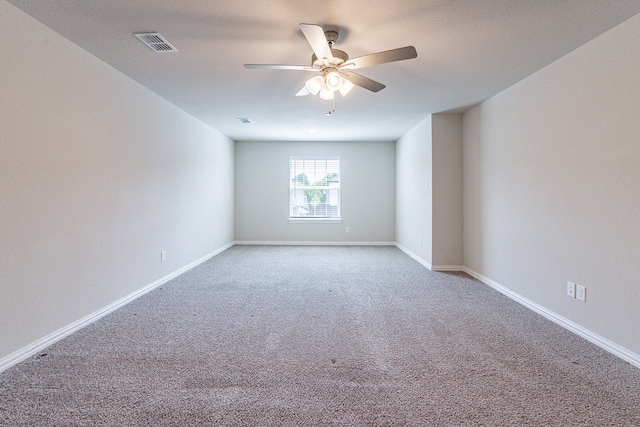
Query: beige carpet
313,336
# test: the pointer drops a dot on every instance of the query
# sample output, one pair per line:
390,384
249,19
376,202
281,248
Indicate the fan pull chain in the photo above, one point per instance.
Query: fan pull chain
332,107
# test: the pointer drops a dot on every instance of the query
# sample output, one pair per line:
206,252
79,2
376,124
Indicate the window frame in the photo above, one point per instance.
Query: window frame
315,219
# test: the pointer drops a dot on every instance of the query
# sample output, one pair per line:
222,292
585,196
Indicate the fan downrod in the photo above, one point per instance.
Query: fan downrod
331,36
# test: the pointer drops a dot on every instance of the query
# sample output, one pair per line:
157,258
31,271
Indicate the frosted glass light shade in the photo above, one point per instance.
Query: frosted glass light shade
326,94
346,87
333,80
314,85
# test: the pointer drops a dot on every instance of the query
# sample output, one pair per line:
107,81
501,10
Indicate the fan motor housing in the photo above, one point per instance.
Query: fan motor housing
339,57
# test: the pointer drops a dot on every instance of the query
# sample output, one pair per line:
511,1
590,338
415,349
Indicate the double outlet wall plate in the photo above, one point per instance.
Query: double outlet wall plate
577,291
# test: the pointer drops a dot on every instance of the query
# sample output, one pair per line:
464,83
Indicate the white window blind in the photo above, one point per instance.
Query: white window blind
314,187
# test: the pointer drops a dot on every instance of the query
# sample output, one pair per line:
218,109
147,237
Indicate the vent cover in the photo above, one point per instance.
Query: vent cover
156,42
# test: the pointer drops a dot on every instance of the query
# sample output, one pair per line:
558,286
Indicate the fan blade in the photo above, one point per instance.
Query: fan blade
318,41
363,81
400,54
303,92
279,67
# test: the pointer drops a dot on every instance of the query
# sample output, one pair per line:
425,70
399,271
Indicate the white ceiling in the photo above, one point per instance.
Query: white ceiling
468,50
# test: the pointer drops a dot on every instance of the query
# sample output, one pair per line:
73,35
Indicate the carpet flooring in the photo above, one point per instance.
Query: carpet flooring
321,336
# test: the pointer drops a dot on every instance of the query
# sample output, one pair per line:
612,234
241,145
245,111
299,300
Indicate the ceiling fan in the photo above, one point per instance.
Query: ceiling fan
335,66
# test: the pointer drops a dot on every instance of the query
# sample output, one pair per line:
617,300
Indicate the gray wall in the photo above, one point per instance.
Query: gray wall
552,186
367,187
447,191
97,176
543,189
429,192
414,183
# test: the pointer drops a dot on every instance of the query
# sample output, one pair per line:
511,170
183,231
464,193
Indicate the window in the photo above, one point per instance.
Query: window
314,187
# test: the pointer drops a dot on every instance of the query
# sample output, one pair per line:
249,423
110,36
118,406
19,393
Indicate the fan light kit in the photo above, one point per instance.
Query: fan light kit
335,66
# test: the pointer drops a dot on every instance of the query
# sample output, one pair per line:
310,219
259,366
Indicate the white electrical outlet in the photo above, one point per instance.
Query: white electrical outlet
163,255
571,289
581,293
346,230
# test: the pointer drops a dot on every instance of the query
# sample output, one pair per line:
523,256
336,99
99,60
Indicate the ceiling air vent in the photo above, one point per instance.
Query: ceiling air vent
156,42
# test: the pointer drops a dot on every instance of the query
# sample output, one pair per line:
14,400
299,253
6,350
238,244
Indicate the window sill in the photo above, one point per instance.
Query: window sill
315,220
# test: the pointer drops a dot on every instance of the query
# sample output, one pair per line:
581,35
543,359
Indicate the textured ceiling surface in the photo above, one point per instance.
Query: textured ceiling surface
468,50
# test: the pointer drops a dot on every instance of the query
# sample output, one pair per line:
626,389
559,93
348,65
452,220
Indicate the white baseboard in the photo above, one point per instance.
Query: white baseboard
426,264
307,243
414,256
447,267
33,348
590,336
